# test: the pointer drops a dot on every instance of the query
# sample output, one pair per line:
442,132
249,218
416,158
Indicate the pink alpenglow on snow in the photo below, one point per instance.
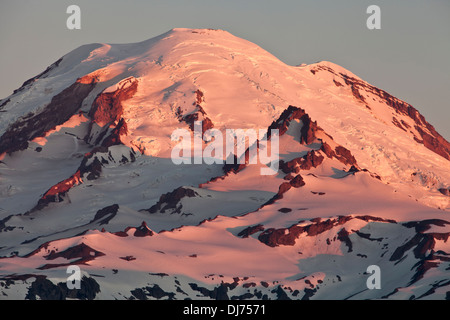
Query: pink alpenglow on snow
197,165
236,146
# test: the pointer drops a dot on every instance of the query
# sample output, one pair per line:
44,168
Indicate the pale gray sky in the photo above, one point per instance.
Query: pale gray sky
408,57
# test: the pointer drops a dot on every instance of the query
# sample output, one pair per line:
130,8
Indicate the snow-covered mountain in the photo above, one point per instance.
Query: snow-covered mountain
87,179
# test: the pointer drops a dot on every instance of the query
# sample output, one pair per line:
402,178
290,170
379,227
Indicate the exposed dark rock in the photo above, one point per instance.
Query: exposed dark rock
435,142
398,124
113,139
93,170
4,103
275,237
284,120
343,236
191,118
287,236
249,285
47,290
143,231
171,200
311,160
445,192
284,187
251,230
297,182
107,107
421,268
139,294
357,94
109,211
82,251
345,156
244,296
158,293
3,226
198,114
308,293
58,111
218,293
128,258
308,129
57,192
199,97
281,294
162,275
326,148
421,242
430,137
424,225
371,218
367,236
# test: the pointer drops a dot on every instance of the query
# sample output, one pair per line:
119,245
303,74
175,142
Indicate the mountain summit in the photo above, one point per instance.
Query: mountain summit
86,178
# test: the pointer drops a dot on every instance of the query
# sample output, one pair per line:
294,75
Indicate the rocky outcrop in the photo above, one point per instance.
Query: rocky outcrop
142,231
398,124
434,141
44,289
273,237
250,230
308,129
81,251
296,182
107,110
154,291
343,236
422,243
430,138
198,114
103,216
58,192
423,247
90,169
58,111
107,107
311,160
171,200
340,153
218,293
444,191
113,138
308,135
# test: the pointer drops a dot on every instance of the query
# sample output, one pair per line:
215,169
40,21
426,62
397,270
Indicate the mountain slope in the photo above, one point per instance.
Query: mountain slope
86,178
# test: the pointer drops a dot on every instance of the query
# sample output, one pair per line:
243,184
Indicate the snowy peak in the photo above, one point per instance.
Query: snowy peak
87,178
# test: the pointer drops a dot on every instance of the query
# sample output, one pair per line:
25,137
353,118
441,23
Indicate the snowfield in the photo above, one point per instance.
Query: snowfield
87,179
